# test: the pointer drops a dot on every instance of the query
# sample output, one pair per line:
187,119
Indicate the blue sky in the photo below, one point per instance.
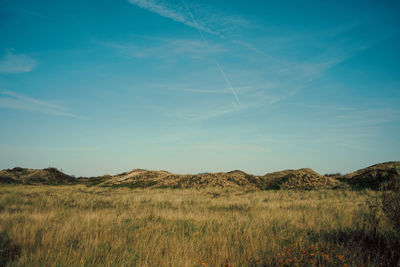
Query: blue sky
95,87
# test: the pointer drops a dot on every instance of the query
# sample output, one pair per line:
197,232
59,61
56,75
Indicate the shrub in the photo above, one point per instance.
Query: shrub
338,174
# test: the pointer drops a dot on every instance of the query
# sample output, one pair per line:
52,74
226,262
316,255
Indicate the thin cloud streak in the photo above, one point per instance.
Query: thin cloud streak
228,82
167,12
369,117
207,111
295,74
329,59
208,91
30,99
22,102
165,48
224,147
211,22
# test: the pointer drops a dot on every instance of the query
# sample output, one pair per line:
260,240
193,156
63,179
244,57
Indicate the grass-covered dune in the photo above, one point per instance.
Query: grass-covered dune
79,225
373,177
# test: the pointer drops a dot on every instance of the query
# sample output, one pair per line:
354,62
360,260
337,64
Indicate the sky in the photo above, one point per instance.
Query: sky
96,87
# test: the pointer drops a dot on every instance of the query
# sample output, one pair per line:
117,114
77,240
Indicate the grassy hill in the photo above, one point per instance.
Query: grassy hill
50,176
373,177
164,179
299,179
287,179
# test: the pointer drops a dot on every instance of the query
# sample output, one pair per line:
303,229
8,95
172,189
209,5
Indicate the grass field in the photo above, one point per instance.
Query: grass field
94,226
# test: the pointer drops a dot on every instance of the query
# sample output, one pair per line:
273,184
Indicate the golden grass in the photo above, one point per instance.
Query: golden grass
92,226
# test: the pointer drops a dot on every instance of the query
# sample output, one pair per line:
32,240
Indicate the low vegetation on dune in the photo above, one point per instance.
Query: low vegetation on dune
300,179
49,175
162,179
156,218
287,179
374,177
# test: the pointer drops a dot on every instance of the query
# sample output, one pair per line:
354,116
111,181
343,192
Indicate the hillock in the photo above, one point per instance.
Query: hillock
299,179
163,179
374,177
49,176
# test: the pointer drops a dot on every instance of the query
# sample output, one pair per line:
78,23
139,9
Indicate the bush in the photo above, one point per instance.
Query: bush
338,174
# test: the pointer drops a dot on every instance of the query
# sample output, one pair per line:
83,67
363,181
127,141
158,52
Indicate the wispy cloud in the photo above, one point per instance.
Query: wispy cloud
204,113
165,10
16,63
203,20
163,48
307,56
227,80
228,83
293,67
206,109
369,117
205,91
209,20
231,147
332,56
12,100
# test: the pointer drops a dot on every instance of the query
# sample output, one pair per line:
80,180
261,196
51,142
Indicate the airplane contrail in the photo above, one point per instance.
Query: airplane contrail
216,62
228,82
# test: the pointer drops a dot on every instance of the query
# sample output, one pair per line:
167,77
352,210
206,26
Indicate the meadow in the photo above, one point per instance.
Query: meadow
79,225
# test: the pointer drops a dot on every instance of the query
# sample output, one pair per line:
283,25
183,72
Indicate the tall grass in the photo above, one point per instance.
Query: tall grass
92,226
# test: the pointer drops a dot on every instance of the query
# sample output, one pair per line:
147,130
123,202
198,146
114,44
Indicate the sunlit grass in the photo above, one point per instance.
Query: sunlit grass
92,226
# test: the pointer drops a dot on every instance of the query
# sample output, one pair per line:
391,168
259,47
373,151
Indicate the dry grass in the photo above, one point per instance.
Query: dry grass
92,226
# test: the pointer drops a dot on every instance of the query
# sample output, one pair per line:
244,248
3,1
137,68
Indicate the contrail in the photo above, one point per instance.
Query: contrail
216,62
195,22
228,82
